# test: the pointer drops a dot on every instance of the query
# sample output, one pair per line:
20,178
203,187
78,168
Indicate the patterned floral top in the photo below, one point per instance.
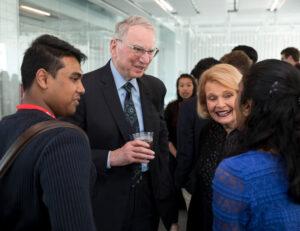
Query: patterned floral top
213,149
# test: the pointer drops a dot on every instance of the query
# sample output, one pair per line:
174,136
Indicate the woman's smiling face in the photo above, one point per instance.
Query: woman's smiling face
220,101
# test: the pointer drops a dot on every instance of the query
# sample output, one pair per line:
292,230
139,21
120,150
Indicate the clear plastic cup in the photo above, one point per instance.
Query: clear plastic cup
147,137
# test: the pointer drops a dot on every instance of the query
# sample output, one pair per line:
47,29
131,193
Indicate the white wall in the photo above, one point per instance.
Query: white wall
267,40
9,89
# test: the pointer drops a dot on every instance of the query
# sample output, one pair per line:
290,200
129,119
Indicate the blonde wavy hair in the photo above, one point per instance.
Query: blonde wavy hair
224,74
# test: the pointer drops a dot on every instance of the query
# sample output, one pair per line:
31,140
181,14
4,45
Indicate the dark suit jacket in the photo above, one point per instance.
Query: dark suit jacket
100,114
189,126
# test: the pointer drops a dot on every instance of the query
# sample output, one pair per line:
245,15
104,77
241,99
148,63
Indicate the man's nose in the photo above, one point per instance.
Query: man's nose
146,58
80,88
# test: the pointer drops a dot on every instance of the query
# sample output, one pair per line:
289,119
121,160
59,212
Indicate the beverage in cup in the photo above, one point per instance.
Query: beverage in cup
147,137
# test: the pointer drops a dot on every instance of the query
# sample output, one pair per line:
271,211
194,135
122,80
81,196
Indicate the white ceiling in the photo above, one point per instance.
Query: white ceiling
213,12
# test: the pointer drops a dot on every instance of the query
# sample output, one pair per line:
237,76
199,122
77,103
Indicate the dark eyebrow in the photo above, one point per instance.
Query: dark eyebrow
76,74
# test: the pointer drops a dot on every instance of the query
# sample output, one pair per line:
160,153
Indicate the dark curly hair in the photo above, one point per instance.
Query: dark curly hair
272,89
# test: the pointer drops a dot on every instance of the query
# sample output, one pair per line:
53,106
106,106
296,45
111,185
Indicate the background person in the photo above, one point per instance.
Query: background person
238,59
186,88
249,51
189,126
291,56
260,188
48,185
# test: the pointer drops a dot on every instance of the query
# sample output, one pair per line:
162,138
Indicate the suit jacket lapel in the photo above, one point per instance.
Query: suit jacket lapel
112,99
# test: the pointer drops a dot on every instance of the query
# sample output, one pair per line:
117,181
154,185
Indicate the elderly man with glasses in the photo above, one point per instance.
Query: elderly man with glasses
134,187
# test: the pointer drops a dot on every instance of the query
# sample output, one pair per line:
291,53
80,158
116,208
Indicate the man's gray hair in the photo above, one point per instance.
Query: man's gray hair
122,27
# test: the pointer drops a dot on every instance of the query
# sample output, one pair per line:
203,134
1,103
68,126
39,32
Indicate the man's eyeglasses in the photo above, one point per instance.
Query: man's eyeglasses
140,51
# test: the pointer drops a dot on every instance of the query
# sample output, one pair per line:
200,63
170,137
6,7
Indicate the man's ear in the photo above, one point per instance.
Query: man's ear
113,47
41,78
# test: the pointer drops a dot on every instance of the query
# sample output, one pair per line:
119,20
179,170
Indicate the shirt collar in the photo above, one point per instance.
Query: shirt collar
119,79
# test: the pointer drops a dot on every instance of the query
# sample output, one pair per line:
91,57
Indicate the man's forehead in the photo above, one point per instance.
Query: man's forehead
138,30
70,60
140,36
71,64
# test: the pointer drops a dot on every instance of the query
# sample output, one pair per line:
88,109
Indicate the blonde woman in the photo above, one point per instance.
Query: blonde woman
217,93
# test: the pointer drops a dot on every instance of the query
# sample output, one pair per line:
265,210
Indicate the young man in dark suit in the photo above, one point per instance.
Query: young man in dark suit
134,187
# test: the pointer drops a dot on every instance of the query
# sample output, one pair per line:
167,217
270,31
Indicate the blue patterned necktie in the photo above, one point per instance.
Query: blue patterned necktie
131,117
129,109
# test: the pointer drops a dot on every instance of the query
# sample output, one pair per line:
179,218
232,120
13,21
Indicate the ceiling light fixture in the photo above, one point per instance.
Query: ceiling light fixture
34,10
276,4
165,6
